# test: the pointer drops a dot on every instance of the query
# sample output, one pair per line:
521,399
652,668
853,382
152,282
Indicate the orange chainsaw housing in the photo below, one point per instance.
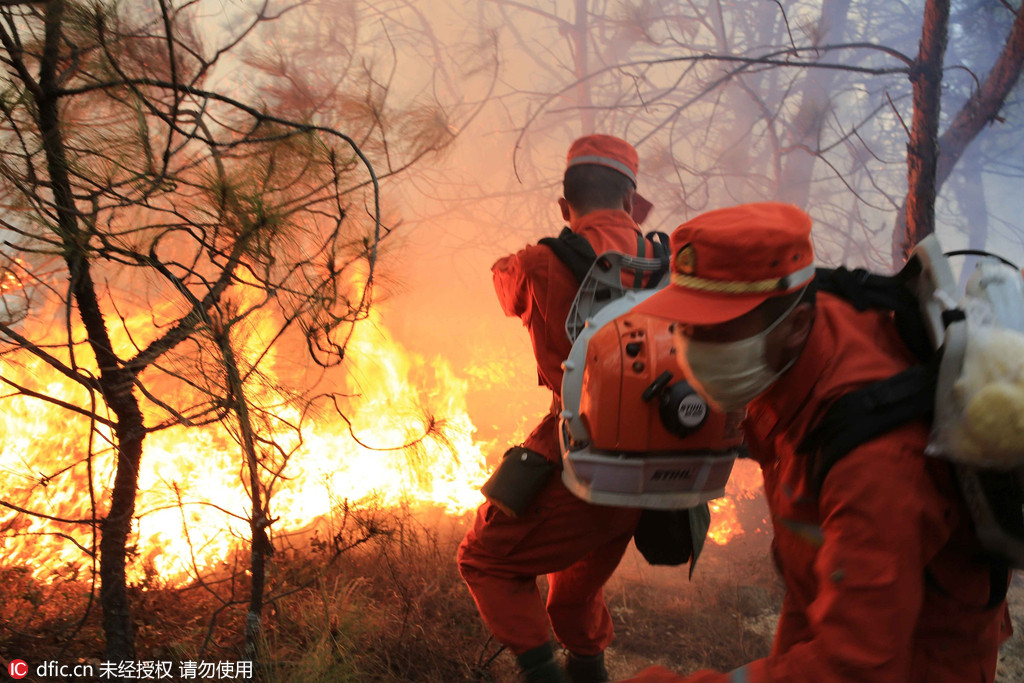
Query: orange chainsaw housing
623,360
633,432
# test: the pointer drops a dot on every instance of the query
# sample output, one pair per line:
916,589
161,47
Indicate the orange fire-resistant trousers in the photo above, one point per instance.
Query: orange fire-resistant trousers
577,545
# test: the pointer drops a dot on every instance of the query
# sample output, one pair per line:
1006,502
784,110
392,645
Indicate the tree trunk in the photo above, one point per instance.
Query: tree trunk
983,106
981,109
115,382
259,520
117,618
922,148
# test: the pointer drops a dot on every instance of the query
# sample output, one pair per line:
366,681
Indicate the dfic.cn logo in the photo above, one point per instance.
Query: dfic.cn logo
18,668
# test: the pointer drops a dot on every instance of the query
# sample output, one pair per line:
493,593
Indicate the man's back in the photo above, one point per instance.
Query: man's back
534,285
552,532
886,536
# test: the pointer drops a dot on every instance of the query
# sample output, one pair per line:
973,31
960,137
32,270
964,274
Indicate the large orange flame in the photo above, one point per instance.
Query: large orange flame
192,505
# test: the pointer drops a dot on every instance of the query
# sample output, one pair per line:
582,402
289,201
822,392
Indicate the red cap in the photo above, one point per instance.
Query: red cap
605,150
728,261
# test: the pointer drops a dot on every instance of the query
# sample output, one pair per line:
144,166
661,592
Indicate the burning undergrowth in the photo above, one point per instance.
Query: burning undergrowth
373,593
383,444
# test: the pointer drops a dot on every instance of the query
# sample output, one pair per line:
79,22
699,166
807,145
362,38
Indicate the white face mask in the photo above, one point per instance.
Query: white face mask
731,374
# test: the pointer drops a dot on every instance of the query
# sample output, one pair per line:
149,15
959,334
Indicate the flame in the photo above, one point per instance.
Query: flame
724,524
192,506
744,484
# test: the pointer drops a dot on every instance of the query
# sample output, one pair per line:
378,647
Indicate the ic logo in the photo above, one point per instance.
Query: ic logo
18,668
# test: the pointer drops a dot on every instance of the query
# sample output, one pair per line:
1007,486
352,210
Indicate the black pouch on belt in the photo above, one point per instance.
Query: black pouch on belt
518,479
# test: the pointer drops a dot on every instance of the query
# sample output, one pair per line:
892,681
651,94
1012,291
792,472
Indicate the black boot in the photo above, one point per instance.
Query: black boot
586,668
539,666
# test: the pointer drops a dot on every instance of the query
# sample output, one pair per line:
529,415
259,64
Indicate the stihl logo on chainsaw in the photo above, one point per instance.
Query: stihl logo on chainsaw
692,411
672,475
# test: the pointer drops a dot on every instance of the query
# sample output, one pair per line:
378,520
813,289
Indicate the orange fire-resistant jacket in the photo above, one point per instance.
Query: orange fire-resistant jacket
575,544
858,606
534,285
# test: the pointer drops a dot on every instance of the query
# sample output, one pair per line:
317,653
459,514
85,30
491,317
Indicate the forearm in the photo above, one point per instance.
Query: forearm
509,278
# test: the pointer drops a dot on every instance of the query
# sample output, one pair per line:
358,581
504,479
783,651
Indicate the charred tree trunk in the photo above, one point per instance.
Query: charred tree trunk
922,148
259,521
983,106
981,109
117,619
115,382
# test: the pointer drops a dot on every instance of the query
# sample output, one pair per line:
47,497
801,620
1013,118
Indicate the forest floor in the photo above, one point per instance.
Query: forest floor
395,609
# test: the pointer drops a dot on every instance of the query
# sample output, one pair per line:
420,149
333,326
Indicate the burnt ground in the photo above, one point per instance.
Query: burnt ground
395,610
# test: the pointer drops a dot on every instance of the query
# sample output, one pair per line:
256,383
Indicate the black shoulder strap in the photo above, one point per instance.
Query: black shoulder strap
641,252
660,243
869,412
864,414
573,250
863,288
866,290
578,255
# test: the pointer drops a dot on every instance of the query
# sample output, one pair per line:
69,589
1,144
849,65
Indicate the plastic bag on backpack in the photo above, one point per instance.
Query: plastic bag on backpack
982,423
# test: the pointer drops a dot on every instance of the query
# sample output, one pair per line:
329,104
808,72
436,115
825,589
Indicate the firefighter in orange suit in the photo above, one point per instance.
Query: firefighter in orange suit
880,582
576,544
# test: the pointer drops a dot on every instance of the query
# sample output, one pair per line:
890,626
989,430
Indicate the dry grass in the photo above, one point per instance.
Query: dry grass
395,609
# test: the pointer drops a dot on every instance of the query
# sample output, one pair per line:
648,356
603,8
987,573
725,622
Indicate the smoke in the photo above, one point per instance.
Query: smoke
711,132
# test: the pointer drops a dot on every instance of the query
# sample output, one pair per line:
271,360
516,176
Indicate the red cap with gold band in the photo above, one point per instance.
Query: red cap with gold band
605,150
728,261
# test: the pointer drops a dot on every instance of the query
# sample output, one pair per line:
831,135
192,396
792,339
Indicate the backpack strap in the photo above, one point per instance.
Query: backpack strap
573,250
578,255
873,410
998,583
661,248
641,252
864,414
660,241
1004,493
866,290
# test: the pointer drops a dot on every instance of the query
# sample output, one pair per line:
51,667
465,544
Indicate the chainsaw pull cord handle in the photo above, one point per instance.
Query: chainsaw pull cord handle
657,386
